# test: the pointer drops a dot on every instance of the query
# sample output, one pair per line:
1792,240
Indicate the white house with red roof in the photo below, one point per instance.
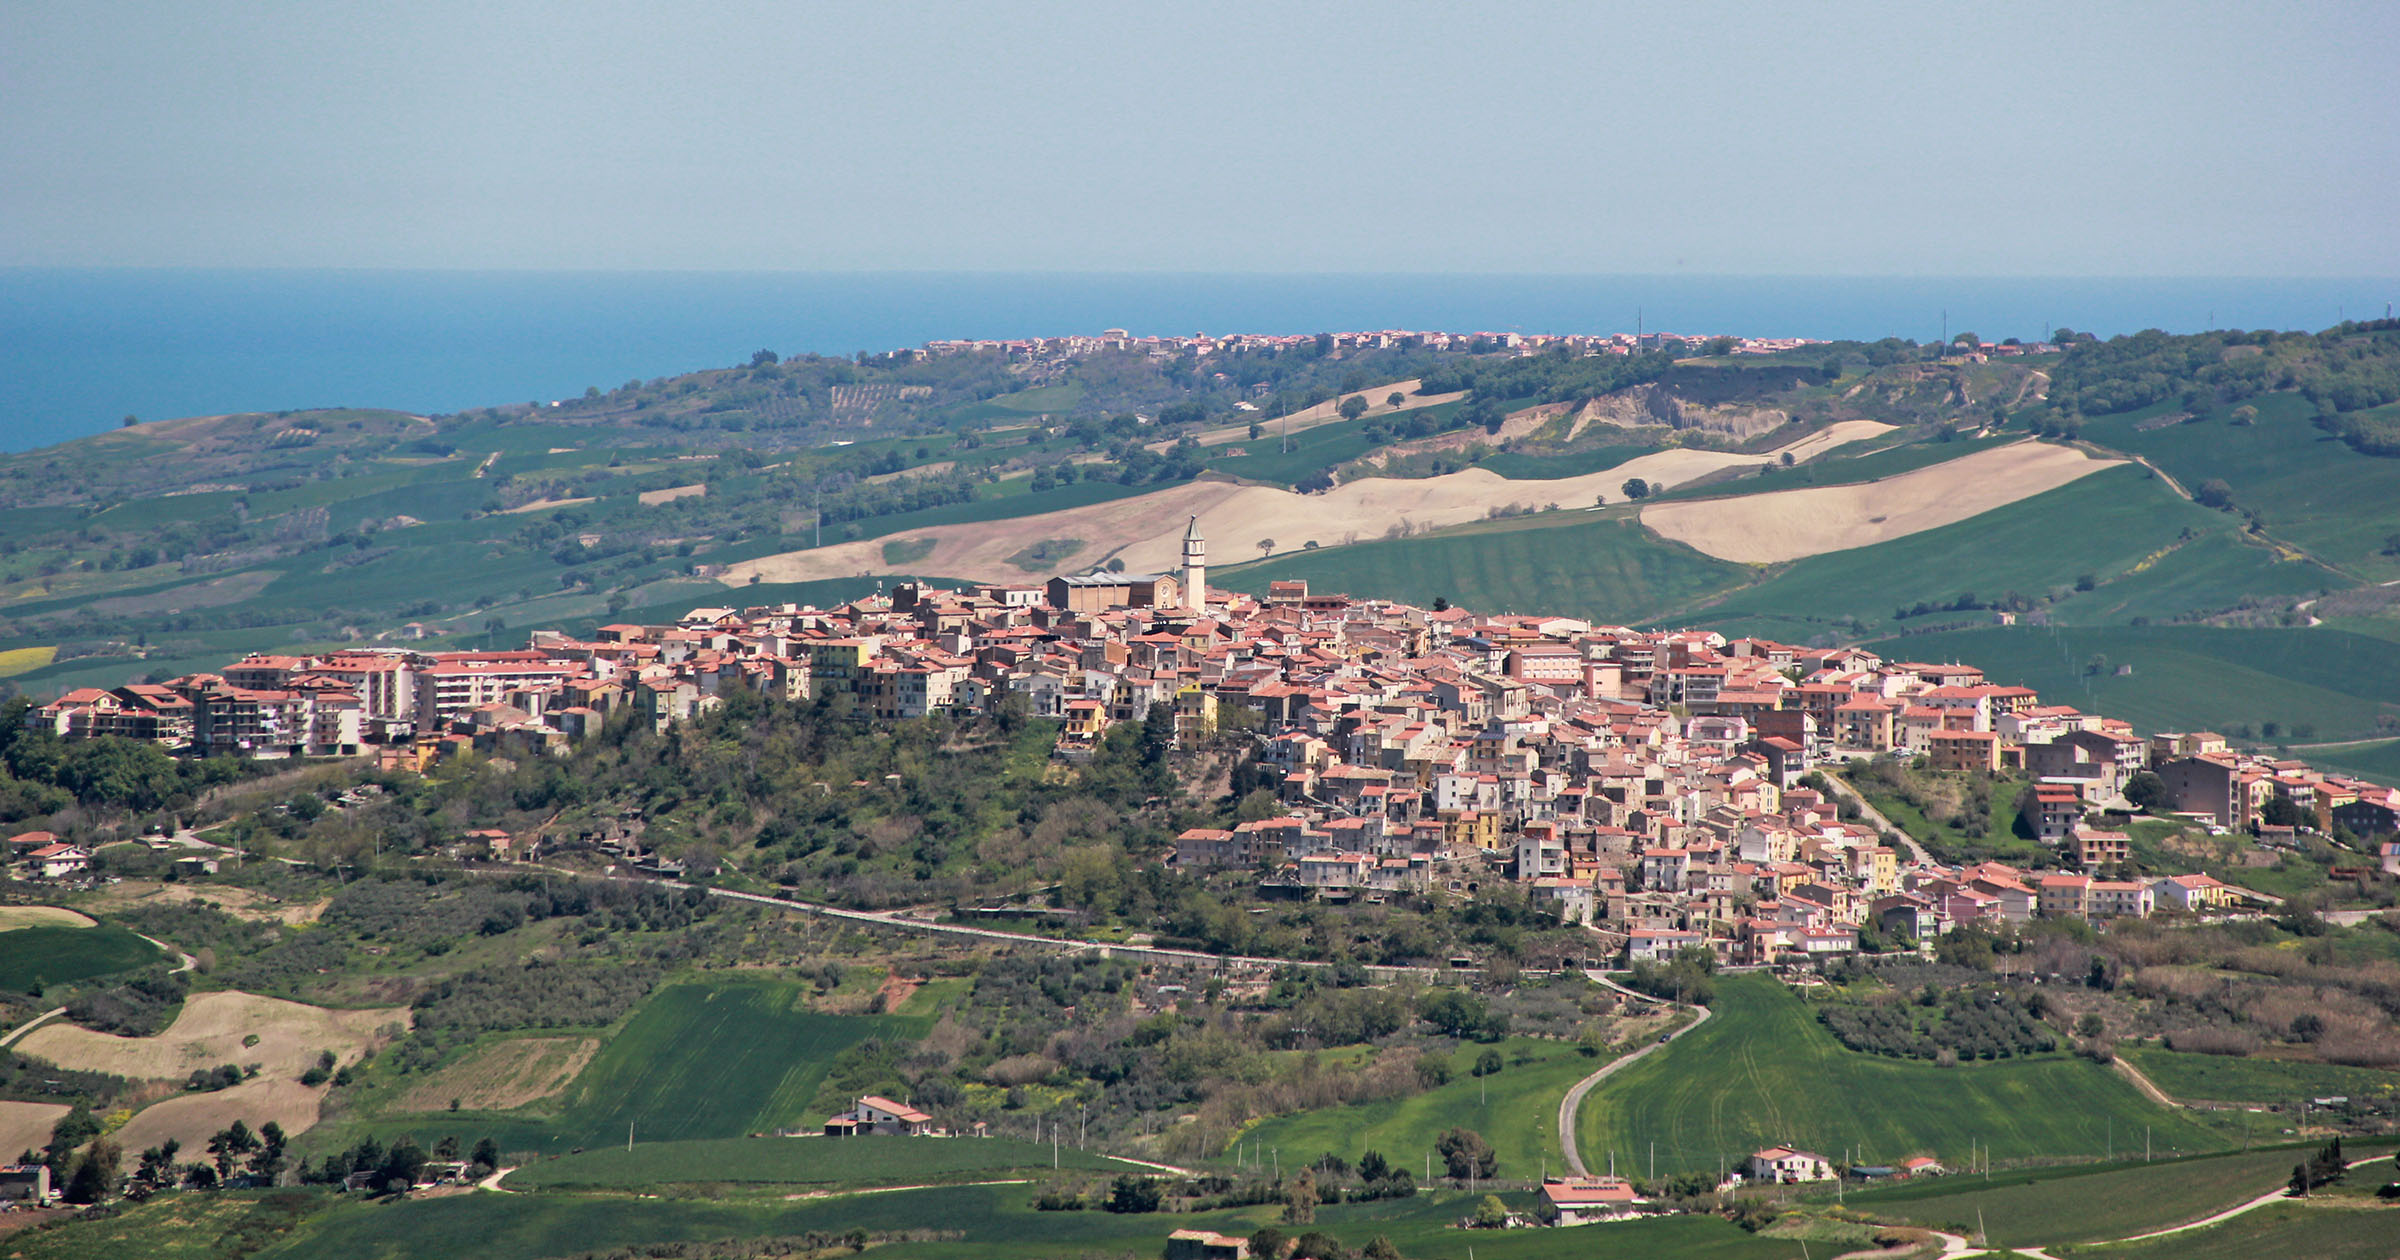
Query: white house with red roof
1583,1200
1783,1165
876,1115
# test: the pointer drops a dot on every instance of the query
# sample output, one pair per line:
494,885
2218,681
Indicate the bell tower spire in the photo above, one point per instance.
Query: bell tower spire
1195,570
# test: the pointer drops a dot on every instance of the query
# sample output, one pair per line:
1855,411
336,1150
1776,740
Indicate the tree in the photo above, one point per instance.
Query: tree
1487,1063
229,1145
1300,1199
94,1177
2146,791
487,1153
1372,1166
1131,1194
1635,488
400,1166
1466,1154
1395,399
1354,406
1380,1248
764,358
1317,1245
1266,1243
1491,1213
157,1170
129,421
1266,547
267,1163
2214,493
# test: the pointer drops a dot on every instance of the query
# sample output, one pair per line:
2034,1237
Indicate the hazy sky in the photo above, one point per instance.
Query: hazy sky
1921,138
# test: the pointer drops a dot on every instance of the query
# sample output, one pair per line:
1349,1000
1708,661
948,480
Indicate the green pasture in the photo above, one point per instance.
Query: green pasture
2228,1078
50,954
1312,450
2331,683
2379,761
997,1221
1606,567
808,1161
193,1226
2120,526
1516,1110
2294,1230
2311,487
1528,467
1763,1072
2045,1207
722,1059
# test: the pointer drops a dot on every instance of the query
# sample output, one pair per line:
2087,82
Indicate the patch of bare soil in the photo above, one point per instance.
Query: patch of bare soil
211,1030
190,1119
504,1075
1790,524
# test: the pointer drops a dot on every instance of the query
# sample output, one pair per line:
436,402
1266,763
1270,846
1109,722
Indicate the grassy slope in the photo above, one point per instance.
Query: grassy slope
2311,487
996,1219
2282,1229
2113,525
2377,761
2222,1078
717,1060
1607,568
172,1227
55,955
1517,1110
806,1161
2033,1210
2189,676
1764,1071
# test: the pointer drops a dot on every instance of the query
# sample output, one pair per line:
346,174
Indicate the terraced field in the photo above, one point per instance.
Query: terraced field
1763,1071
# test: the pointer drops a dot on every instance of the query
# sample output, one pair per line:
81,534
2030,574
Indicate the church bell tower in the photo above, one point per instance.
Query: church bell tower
1195,570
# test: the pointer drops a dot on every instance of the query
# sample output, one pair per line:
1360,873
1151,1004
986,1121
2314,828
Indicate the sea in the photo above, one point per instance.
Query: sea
82,349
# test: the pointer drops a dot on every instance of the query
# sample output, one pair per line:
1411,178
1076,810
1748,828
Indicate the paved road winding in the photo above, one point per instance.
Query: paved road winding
1875,819
1573,1102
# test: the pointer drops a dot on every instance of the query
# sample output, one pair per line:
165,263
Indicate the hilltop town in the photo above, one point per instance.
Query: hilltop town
1667,789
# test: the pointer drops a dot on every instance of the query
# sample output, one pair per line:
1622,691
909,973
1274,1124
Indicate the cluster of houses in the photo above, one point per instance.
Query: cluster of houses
1646,783
1040,350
